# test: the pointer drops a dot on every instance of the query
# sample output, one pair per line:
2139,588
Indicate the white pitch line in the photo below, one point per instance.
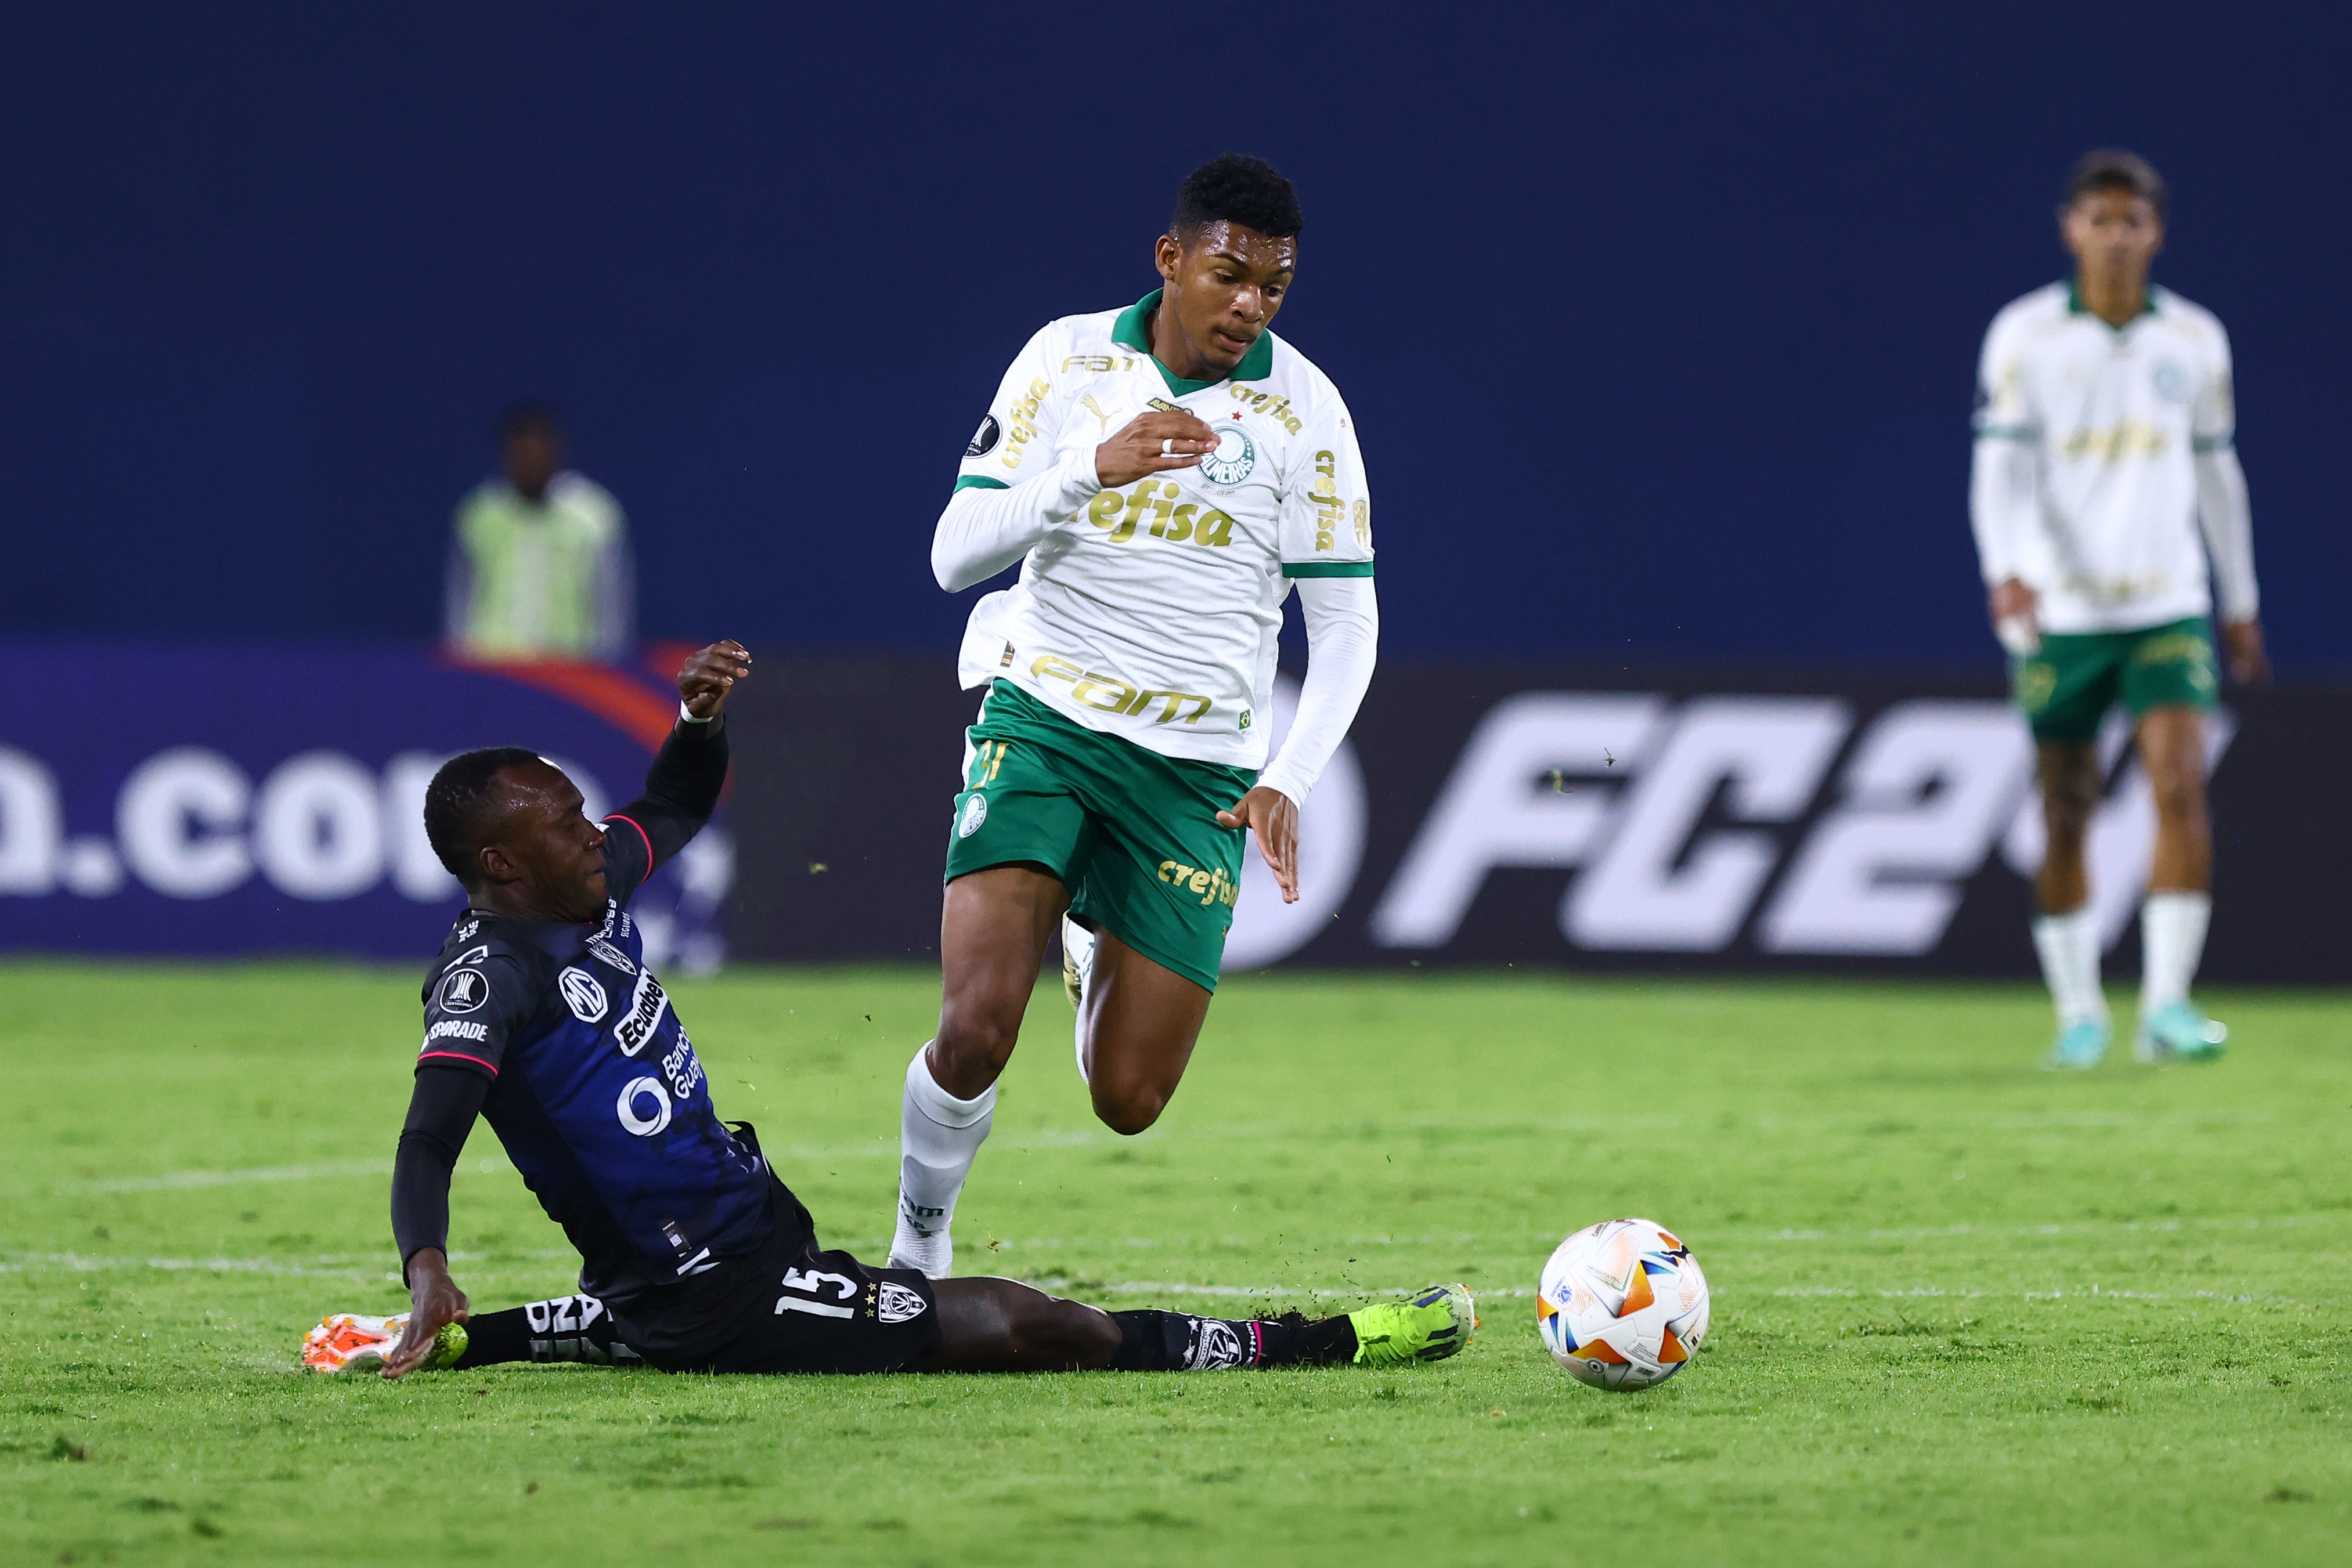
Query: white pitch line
187,1181
181,1181
84,1263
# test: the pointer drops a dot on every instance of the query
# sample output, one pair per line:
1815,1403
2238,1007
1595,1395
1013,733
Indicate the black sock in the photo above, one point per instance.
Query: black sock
569,1328
1178,1342
1294,1340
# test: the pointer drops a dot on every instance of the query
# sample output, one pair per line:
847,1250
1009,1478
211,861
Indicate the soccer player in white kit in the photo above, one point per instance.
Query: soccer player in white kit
1166,475
2104,451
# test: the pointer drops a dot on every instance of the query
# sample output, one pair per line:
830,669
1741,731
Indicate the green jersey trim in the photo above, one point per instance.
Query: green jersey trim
2211,442
980,482
1128,334
2006,432
1327,569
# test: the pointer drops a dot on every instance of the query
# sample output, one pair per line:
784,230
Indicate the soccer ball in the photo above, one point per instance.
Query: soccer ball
1622,1304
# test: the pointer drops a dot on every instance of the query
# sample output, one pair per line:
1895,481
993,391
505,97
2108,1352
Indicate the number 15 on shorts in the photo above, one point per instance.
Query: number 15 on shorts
814,1283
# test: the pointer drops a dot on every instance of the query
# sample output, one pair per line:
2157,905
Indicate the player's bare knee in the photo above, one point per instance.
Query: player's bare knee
1128,1109
977,1039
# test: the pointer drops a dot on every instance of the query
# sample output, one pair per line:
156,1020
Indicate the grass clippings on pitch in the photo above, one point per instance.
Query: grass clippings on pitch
1964,1310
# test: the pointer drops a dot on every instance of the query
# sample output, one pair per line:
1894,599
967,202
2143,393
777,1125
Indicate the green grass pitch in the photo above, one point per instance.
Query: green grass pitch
1964,1310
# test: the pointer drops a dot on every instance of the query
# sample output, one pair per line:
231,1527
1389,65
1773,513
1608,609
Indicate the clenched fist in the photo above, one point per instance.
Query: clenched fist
709,674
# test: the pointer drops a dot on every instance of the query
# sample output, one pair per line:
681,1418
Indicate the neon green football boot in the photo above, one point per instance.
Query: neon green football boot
1430,1326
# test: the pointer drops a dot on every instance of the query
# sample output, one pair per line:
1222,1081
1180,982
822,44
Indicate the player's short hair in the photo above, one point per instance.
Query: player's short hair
458,801
1237,188
529,414
2113,169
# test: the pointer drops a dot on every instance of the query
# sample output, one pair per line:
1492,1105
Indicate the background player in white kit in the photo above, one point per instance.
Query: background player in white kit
2103,444
1166,475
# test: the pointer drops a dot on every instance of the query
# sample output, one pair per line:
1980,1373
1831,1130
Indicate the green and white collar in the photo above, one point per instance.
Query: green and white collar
1129,332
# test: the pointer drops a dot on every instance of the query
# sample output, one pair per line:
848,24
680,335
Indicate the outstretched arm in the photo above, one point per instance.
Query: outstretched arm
441,1112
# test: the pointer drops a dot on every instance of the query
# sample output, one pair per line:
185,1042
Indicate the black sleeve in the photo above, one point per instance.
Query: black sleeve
472,1007
440,1113
681,790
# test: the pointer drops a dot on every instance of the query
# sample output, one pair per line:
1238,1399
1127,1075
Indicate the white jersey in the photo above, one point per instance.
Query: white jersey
2109,425
1150,611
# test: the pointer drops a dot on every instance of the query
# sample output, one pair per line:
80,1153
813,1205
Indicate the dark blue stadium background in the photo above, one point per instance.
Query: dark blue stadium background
1659,322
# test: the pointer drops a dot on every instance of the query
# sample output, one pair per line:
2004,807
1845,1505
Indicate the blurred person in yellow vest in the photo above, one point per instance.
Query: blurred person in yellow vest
540,567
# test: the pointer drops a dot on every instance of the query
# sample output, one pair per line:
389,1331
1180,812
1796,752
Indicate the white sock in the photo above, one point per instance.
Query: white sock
1078,951
2069,945
938,1137
2172,939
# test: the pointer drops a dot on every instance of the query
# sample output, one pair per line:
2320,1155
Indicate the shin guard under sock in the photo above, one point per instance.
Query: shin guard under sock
1151,1341
569,1328
938,1137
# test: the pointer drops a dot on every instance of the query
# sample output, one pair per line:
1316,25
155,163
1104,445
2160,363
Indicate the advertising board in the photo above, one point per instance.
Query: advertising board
1600,820
268,800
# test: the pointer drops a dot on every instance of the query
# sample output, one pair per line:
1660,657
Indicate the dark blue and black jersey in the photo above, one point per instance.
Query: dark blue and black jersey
563,1039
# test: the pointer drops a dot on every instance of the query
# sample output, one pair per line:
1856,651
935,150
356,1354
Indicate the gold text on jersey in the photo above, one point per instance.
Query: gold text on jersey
1122,511
1109,693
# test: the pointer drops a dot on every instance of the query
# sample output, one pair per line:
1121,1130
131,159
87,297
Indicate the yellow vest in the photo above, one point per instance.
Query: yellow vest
535,572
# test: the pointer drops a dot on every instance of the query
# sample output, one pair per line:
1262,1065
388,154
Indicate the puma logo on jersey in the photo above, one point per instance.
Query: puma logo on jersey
1096,410
1109,693
1122,512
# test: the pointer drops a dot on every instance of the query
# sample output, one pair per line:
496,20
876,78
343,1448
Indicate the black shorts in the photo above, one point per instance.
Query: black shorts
788,1307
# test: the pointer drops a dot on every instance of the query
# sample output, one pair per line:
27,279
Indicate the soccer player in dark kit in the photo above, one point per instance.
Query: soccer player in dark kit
539,1014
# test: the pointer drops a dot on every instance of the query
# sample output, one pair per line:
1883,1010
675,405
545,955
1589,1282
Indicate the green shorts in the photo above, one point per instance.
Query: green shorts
2067,688
1131,833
